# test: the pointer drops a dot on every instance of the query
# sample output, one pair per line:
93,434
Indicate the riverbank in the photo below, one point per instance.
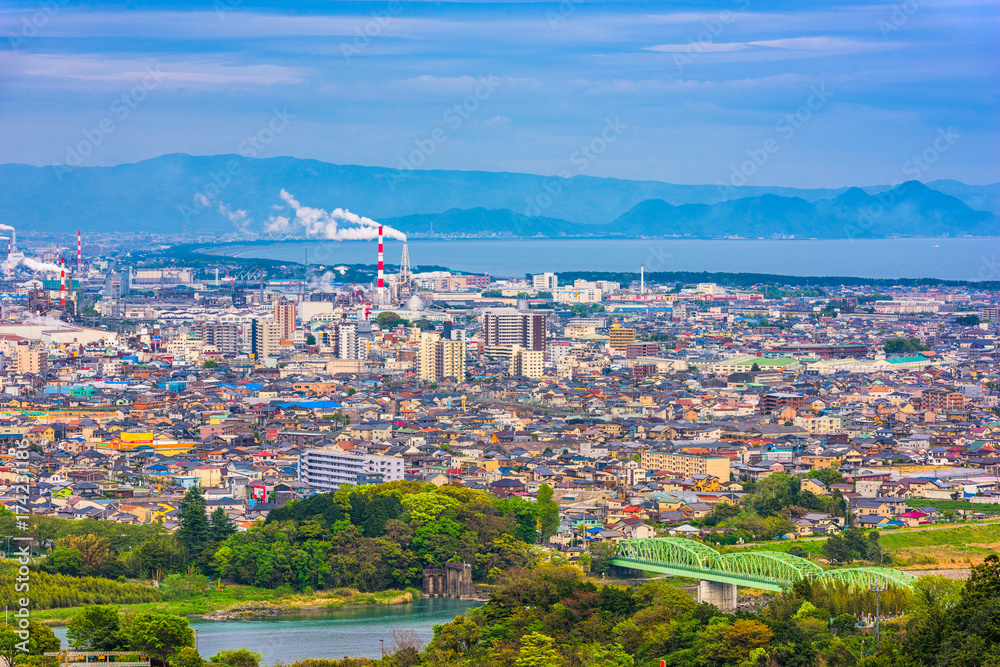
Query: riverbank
248,602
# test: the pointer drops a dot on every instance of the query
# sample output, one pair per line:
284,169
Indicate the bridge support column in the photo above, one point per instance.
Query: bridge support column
721,595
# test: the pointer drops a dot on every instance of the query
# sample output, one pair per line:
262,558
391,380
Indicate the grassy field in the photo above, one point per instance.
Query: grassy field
942,505
233,596
956,547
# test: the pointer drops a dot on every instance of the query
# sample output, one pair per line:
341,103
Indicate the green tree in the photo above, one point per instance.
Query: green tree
796,550
732,644
65,560
241,657
755,368
538,650
211,363
310,339
187,656
601,554
157,635
836,549
96,627
968,320
193,530
39,641
9,641
183,586
388,320
903,346
827,475
845,624
548,513
222,526
609,656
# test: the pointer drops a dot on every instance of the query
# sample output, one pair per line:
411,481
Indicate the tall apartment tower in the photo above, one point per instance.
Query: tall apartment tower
440,358
284,315
225,337
507,327
347,345
265,338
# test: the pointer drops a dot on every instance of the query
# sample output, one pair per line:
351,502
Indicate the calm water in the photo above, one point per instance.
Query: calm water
953,259
324,634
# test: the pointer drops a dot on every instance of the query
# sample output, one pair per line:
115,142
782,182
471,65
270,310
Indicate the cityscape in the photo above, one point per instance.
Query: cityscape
574,334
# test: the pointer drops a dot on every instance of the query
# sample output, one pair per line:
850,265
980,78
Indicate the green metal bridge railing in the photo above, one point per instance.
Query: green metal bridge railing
771,570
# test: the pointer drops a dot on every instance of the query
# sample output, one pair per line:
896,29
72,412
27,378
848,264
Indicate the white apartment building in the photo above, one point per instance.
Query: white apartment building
526,363
440,358
545,281
326,468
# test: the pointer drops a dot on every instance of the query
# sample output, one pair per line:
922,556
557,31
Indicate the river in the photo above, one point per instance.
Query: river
357,632
949,258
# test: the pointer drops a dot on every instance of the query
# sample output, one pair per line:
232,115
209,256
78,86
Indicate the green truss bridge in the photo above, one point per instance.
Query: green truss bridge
719,574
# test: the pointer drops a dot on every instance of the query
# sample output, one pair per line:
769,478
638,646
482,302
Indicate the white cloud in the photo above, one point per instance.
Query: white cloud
89,70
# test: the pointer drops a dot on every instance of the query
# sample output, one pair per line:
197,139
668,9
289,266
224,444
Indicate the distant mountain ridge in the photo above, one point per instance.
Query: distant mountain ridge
910,209
196,194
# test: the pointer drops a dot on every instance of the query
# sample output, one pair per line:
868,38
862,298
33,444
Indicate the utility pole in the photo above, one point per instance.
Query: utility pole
877,587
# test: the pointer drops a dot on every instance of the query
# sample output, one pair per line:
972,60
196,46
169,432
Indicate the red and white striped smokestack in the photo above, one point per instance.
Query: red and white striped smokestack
62,283
381,266
79,251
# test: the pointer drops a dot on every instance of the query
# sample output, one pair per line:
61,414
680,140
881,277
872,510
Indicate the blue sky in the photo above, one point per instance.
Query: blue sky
815,94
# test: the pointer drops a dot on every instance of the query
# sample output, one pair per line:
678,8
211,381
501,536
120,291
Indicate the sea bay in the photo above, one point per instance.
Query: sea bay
970,259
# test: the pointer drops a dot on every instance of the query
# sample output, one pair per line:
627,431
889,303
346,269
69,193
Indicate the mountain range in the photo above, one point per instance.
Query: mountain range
202,195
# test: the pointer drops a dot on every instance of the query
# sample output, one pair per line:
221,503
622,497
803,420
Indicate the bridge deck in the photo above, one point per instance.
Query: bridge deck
745,580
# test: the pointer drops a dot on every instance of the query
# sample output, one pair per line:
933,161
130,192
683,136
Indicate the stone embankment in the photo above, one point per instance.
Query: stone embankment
243,611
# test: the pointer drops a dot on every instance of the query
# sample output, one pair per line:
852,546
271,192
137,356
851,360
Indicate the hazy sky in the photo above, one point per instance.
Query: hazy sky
680,92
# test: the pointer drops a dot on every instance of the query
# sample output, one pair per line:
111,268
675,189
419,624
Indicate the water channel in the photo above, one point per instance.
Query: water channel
358,632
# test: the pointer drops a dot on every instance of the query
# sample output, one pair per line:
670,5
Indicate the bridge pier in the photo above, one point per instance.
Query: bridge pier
721,595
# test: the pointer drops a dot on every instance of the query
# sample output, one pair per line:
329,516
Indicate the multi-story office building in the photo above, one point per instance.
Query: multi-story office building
265,338
545,281
326,468
507,327
440,358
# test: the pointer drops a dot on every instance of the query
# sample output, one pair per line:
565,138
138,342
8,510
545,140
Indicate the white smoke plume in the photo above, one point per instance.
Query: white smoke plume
240,218
6,228
328,225
44,321
40,267
323,283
